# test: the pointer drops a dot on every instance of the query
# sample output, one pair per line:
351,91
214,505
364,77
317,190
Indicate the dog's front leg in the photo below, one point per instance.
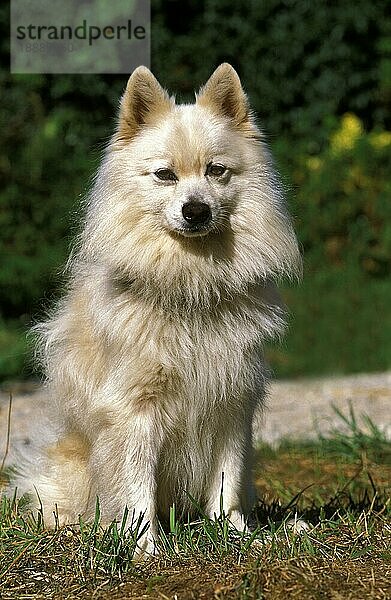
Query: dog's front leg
124,463
232,490
141,478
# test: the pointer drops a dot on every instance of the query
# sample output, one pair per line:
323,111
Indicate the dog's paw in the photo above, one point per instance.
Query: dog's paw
298,526
146,548
237,520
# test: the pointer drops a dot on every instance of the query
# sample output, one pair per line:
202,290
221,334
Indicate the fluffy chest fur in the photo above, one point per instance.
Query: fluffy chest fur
207,355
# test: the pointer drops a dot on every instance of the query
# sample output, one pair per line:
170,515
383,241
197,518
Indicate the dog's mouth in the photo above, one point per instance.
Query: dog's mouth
194,230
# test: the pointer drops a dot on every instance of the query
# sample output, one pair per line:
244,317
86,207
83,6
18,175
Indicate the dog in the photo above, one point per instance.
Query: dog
154,357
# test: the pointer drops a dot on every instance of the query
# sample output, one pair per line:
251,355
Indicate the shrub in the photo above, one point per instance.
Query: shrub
341,202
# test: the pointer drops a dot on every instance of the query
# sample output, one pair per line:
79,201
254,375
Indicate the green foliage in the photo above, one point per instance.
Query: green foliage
302,62
341,204
15,353
342,200
45,164
304,65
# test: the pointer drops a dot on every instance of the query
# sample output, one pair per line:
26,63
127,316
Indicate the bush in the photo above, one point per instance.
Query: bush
341,202
303,63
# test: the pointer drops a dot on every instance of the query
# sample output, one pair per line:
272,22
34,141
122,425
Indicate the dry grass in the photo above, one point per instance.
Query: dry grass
342,490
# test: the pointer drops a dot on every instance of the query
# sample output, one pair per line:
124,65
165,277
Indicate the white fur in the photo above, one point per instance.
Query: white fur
154,356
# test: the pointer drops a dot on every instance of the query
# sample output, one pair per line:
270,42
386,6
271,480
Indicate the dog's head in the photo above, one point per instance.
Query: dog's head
189,190
190,157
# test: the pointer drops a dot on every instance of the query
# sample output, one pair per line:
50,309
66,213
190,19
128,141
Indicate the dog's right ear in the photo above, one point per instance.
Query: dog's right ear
143,101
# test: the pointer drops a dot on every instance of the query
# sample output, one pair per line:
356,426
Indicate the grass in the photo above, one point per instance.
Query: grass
331,313
340,485
15,351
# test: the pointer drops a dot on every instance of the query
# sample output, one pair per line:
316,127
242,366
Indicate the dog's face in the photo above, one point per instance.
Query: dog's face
188,171
189,160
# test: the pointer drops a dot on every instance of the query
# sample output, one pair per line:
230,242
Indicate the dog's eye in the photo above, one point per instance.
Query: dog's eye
165,175
215,170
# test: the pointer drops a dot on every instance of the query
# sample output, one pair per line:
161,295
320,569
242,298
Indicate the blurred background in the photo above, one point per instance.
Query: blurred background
318,74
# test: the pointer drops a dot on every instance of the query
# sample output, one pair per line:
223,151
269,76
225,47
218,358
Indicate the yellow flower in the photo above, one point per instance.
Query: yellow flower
380,140
314,163
346,136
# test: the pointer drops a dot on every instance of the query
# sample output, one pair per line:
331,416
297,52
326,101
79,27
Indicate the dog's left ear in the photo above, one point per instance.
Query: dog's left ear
224,95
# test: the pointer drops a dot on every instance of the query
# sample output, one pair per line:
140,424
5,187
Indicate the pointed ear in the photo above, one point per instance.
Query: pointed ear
143,102
224,95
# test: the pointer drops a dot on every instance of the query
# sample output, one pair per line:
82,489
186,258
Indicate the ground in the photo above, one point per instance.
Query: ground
336,475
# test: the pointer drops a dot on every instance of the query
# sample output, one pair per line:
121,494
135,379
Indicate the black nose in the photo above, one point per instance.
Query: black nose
196,213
